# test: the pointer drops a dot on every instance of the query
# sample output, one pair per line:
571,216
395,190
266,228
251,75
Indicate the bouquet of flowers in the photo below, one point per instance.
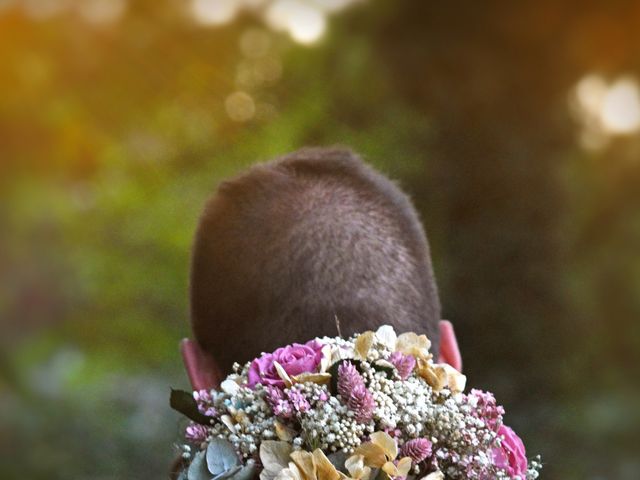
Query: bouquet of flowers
371,407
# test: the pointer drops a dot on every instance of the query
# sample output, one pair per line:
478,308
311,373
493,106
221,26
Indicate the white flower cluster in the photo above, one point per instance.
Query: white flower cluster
245,421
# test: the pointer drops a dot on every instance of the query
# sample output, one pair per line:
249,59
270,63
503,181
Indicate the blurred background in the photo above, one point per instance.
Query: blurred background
513,125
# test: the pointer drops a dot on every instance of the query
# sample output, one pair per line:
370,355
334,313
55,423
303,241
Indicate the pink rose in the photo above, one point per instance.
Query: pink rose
510,456
295,359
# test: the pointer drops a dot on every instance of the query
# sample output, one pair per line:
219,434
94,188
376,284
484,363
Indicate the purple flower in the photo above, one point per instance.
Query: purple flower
404,364
348,379
485,408
202,396
354,393
298,400
361,402
295,359
196,433
510,456
418,449
279,404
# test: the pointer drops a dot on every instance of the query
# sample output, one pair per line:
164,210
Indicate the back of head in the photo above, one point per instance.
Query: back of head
288,246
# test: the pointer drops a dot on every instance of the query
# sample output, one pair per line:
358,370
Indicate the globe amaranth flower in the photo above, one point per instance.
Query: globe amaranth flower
418,449
404,364
354,393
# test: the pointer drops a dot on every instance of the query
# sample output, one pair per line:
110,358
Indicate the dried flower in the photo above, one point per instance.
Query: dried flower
404,364
298,400
361,402
278,402
348,379
418,449
293,359
302,430
196,433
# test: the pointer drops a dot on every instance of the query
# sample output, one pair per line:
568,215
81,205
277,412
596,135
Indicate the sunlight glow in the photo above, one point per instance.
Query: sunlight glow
605,109
304,22
214,12
621,107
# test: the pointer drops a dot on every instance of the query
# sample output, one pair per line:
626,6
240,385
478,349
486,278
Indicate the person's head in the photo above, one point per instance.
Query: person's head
288,247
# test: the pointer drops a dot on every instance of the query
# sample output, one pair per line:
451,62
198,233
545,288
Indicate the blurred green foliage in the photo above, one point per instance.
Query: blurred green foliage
113,137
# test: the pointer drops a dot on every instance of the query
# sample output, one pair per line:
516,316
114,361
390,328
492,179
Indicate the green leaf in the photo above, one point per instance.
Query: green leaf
184,403
388,371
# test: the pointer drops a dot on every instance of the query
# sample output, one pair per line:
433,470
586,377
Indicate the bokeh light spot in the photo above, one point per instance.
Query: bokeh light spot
305,23
214,12
240,106
255,42
101,12
621,107
605,109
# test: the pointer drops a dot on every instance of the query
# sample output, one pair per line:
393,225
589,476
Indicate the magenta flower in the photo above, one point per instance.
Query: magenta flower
354,393
485,408
196,433
279,404
295,359
510,456
298,400
348,379
361,403
404,364
418,449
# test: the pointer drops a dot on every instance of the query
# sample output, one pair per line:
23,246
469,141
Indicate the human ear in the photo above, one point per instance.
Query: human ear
202,369
449,351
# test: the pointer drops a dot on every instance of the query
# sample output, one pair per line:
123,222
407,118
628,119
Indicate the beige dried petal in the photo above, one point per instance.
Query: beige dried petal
434,375
374,455
274,457
412,344
290,473
319,378
388,444
456,381
384,363
305,463
324,468
228,422
341,353
283,374
229,386
387,336
283,432
404,465
325,362
356,468
363,344
240,416
390,469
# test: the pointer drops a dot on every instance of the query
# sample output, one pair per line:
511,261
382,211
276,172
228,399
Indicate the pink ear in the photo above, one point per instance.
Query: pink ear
202,369
449,351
